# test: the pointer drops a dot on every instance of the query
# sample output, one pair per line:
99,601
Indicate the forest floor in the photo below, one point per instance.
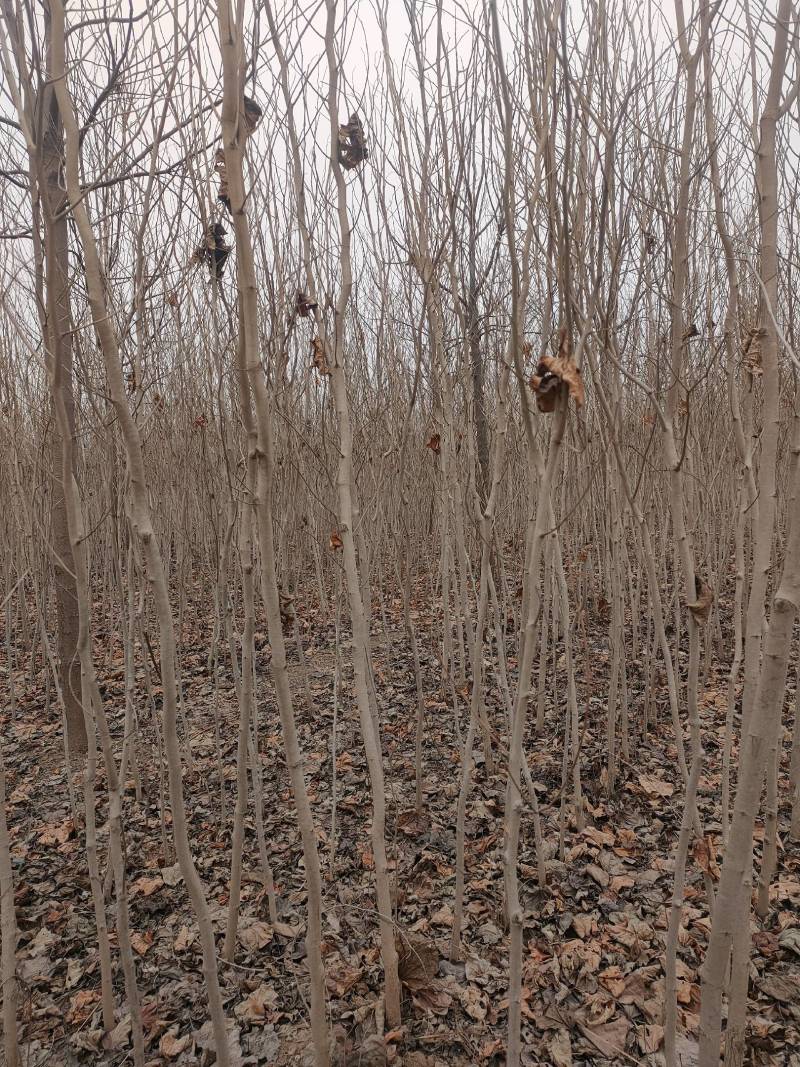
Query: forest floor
593,968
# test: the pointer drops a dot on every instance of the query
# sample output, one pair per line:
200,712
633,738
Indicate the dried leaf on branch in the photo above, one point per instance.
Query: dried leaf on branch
352,143
335,540
553,373
434,443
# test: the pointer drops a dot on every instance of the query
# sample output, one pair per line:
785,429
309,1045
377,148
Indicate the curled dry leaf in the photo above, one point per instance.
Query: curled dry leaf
434,443
701,607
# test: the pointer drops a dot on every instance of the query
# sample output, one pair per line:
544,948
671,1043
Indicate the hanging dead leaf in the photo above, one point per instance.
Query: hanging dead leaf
417,961
434,443
318,360
701,607
352,143
335,540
